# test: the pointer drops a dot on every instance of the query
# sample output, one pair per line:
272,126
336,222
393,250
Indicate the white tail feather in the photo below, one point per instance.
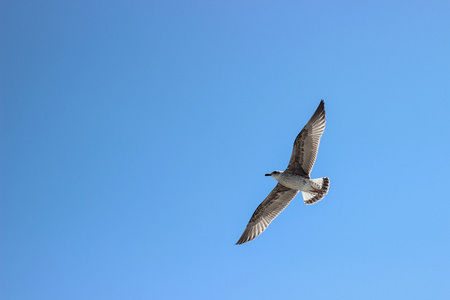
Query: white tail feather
313,197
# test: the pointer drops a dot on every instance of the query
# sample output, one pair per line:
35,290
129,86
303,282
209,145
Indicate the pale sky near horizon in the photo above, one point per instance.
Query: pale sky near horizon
135,136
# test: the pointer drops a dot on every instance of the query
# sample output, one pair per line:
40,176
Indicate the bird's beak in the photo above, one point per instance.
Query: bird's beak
267,175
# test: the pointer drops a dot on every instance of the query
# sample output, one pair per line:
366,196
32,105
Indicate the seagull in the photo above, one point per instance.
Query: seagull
295,178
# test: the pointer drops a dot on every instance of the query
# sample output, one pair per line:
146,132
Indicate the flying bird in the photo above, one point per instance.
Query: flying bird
295,178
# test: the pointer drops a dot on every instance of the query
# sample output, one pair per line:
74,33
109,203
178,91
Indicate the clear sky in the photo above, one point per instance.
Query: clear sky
135,136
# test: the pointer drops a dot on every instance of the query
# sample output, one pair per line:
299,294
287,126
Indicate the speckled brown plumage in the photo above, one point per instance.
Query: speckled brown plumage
296,177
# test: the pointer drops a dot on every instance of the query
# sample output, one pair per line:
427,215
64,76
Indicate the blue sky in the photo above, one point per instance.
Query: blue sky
135,136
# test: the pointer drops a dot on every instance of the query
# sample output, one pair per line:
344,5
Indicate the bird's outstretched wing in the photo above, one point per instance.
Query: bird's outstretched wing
267,211
307,143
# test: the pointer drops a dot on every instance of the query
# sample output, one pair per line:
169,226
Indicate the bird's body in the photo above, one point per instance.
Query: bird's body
294,179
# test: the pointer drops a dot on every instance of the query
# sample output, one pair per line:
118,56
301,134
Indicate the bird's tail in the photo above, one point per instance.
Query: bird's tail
313,197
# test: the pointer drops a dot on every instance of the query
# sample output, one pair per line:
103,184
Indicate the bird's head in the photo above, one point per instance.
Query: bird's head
275,174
